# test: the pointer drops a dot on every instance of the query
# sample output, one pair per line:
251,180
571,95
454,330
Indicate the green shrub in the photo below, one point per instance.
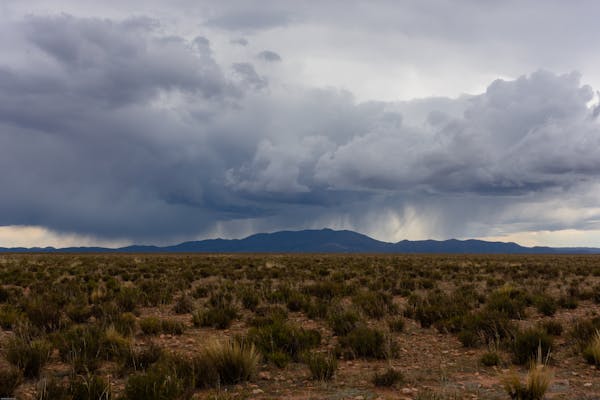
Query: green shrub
368,343
396,324
388,378
89,387
546,305
172,327
490,359
592,352
29,356
156,384
485,327
140,359
183,305
43,313
322,367
250,300
81,346
220,317
553,328
50,388
284,338
79,313
374,304
151,325
125,324
527,343
583,330
10,379
128,298
342,321
9,316
509,301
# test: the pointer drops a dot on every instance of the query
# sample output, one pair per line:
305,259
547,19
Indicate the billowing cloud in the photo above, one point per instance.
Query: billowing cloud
269,56
118,129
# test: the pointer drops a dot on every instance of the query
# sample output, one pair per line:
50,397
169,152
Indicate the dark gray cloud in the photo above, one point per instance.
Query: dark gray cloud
246,74
240,41
115,128
269,56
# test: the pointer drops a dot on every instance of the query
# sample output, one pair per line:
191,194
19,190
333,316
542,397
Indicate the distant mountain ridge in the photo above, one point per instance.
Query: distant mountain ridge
320,241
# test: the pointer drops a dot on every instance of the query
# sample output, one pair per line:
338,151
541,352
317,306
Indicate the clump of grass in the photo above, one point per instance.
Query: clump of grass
155,326
365,342
234,361
490,359
219,317
592,352
322,367
528,342
539,378
29,356
50,388
388,378
396,324
10,379
90,387
155,384
553,328
81,346
281,342
183,305
342,321
142,358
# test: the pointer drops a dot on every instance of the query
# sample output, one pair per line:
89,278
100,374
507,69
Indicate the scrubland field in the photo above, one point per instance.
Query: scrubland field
299,327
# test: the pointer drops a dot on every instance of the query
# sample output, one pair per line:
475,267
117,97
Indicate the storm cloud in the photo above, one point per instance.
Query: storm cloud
116,128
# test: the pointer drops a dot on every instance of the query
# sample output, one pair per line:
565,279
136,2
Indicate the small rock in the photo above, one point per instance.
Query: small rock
587,384
257,391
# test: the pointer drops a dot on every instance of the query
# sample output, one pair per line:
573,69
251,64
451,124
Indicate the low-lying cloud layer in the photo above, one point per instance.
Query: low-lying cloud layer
117,130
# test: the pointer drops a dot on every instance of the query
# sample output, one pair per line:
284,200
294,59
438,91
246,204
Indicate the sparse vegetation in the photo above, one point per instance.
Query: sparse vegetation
100,326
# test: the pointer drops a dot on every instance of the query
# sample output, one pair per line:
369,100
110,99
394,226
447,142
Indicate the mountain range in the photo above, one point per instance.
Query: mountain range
320,241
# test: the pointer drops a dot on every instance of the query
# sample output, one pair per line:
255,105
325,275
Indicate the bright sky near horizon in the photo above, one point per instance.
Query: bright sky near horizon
156,122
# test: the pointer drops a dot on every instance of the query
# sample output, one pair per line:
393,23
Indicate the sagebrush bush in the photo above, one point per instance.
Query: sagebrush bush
583,330
490,359
220,317
50,388
508,300
29,356
396,324
285,339
342,321
183,305
156,384
140,359
151,325
527,343
592,352
322,366
89,387
374,304
364,342
82,347
388,378
10,379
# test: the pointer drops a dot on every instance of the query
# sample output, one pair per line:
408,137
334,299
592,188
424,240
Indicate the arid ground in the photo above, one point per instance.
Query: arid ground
304,326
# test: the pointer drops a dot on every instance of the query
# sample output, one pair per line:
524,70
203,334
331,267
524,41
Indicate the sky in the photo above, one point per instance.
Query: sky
158,122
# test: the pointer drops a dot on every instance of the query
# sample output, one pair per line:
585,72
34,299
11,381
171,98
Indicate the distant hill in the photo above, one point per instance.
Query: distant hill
321,241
